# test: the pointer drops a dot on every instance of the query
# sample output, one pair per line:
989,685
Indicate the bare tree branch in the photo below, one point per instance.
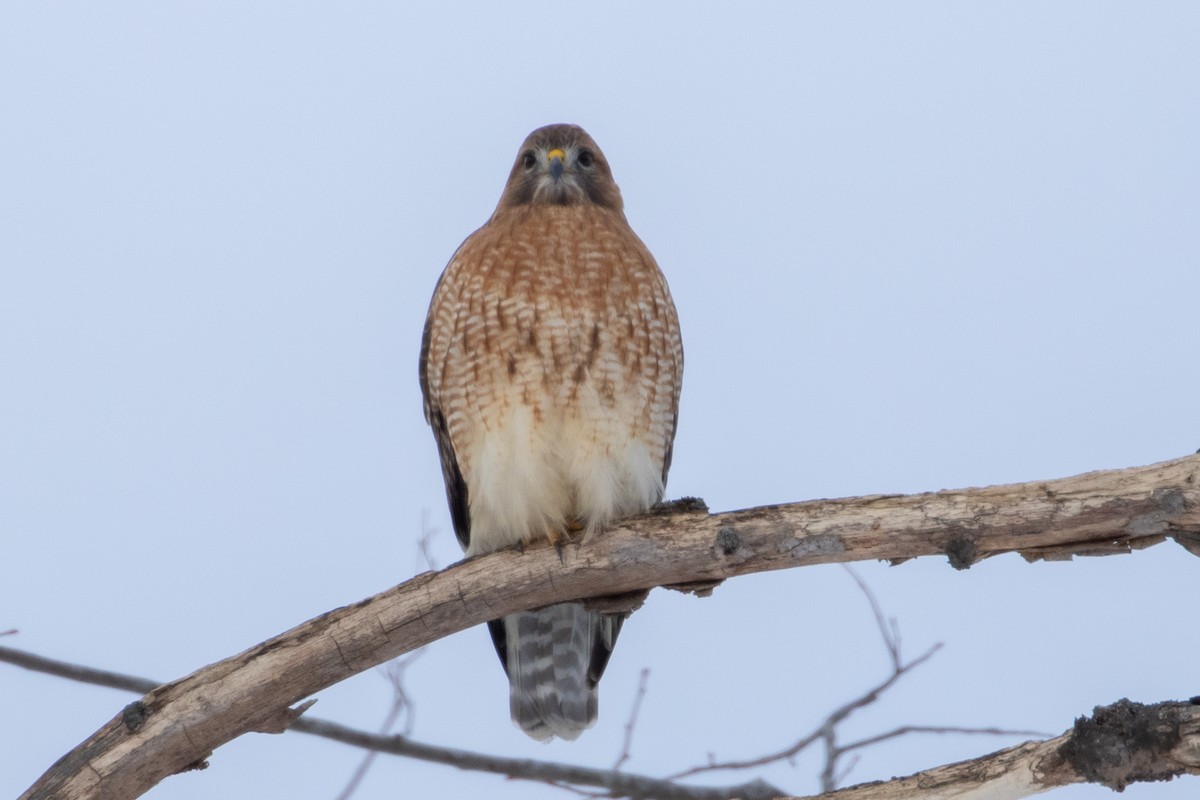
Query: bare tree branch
394,671
1117,745
905,730
176,726
562,775
400,703
827,731
558,774
824,731
888,631
429,532
616,784
566,776
77,672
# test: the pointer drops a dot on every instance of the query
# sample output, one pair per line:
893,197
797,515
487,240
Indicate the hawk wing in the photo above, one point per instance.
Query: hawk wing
456,487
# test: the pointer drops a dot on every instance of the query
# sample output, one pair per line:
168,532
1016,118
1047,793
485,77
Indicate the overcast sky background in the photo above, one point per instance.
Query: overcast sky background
913,247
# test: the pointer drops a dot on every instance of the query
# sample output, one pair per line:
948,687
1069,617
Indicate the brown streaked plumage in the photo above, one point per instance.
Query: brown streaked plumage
551,366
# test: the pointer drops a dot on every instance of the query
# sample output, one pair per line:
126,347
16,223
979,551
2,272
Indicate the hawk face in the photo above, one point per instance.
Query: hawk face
560,165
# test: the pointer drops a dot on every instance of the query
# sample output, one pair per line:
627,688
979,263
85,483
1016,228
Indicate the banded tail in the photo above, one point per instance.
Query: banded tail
554,657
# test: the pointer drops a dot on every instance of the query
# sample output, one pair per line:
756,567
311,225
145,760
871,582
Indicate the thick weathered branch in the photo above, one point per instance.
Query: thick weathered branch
1116,746
176,726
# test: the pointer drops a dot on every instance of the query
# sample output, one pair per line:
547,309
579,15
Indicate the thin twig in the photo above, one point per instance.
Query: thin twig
400,703
395,675
836,717
845,772
618,784
888,629
828,774
632,721
904,730
394,671
425,544
77,672
826,732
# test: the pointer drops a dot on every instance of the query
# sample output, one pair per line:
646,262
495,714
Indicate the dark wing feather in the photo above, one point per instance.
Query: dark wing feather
456,487
500,640
670,451
604,641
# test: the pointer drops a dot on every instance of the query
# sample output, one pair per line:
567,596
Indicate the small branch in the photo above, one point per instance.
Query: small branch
1117,745
394,671
617,784
827,731
400,703
77,672
429,532
824,730
887,627
631,723
905,730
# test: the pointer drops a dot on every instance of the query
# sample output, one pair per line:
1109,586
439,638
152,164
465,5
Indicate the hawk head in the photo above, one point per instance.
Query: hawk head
560,165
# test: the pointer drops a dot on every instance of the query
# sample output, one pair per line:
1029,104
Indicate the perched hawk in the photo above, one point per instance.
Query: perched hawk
550,366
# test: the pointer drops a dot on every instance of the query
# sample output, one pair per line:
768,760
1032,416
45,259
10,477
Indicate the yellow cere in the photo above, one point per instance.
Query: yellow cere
556,153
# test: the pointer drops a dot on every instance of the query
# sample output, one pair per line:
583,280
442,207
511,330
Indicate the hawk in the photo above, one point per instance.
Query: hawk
550,368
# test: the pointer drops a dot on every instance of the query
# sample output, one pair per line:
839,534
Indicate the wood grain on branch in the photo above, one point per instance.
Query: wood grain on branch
176,726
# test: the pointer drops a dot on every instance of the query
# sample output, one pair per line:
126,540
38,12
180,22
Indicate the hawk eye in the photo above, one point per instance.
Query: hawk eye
528,160
585,158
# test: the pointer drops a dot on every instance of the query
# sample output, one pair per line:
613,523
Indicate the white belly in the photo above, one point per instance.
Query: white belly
583,464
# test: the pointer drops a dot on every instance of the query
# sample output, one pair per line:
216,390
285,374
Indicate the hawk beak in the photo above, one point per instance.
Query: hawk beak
557,157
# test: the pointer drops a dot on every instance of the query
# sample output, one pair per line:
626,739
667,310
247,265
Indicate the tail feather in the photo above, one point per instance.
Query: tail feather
555,657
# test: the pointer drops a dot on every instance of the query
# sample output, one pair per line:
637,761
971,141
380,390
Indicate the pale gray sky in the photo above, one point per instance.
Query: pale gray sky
913,247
